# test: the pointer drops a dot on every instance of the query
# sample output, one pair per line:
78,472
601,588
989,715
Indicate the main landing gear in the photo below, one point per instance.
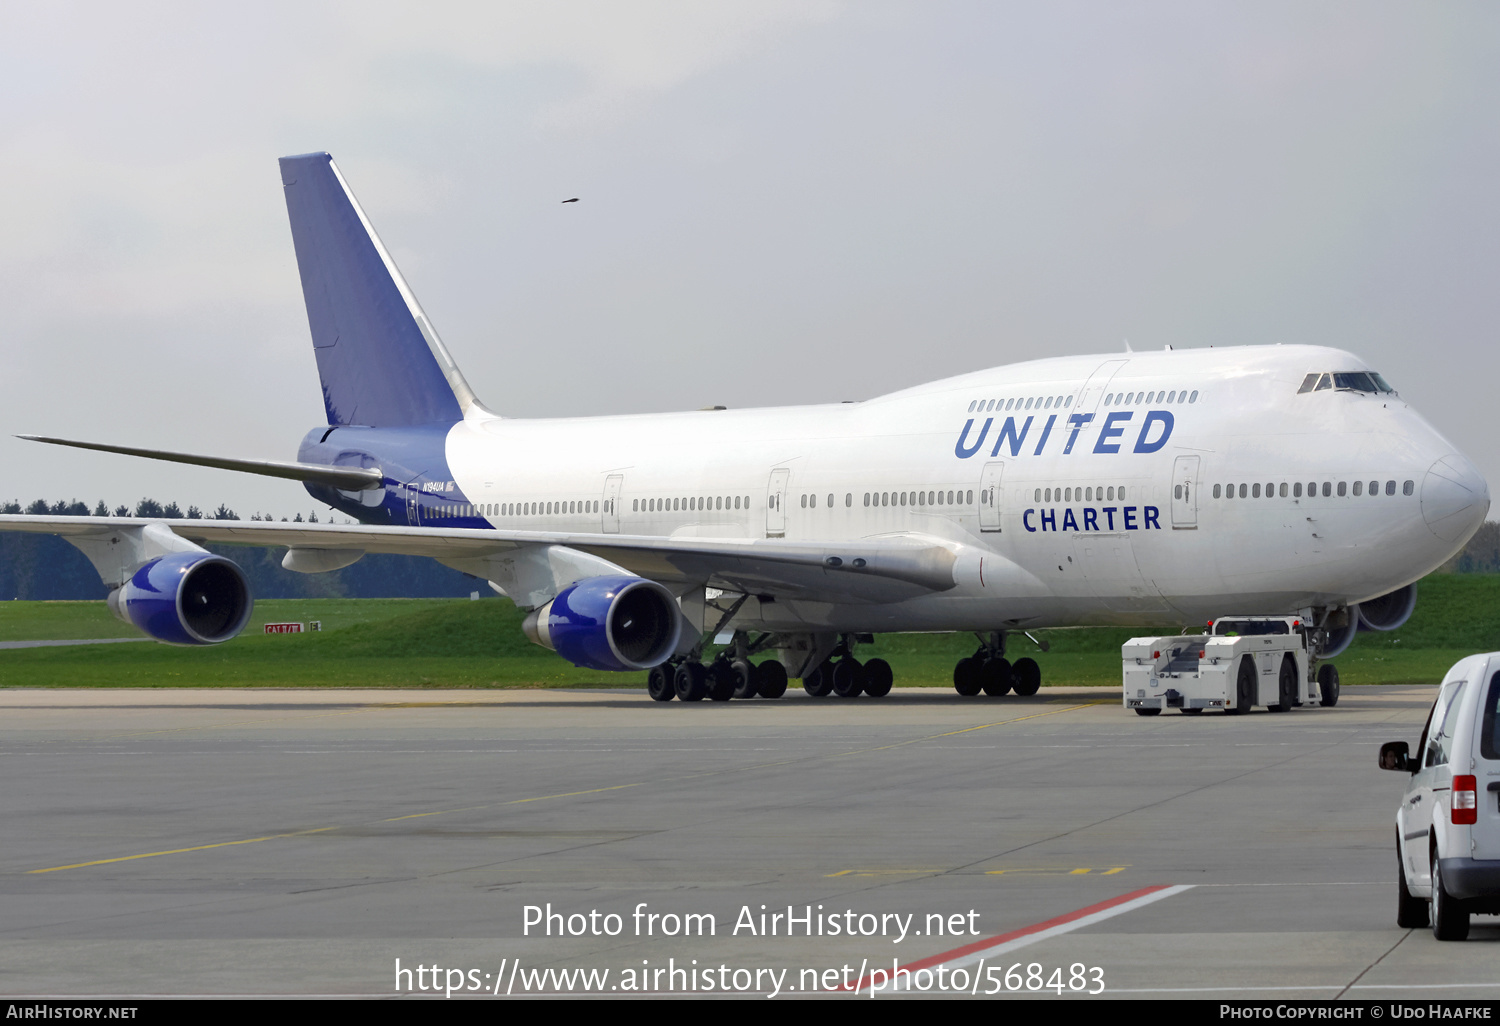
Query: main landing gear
989,671
845,676
730,675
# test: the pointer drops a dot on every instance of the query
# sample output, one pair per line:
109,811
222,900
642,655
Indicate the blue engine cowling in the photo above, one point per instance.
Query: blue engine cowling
609,623
185,598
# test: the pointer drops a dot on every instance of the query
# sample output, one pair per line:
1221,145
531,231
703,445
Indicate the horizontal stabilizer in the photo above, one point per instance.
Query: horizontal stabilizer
350,479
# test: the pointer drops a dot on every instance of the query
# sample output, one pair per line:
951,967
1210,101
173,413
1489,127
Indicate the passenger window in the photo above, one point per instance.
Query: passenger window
1283,489
1342,489
867,500
1038,496
1177,491
1406,488
1359,488
1170,396
1069,402
1108,398
1242,491
970,494
830,500
1327,489
971,406
1255,490
1390,488
1217,490
1194,397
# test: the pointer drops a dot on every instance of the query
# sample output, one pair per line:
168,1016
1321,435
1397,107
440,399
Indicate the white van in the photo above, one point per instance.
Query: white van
1448,826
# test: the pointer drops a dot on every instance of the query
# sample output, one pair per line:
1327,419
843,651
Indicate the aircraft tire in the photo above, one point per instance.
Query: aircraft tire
996,676
1027,678
878,678
966,677
691,682
659,684
721,681
745,680
818,682
1328,685
770,679
848,678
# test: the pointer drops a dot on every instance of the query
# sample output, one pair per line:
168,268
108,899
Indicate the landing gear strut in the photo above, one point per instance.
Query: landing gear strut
989,671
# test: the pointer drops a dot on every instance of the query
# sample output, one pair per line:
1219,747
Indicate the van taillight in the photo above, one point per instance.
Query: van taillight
1465,800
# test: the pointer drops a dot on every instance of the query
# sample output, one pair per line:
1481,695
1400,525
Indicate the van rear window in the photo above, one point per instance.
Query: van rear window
1488,746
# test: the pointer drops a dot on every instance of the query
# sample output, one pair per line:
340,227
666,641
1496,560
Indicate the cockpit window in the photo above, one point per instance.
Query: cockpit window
1352,381
1358,381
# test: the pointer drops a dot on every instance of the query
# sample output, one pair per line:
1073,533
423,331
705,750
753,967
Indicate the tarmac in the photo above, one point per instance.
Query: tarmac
393,843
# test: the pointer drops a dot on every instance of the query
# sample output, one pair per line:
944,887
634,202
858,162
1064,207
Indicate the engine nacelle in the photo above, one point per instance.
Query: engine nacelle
1338,638
1388,612
609,623
185,598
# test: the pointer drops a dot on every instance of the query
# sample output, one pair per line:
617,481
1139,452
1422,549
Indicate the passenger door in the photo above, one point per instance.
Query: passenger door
1185,493
776,503
610,507
989,496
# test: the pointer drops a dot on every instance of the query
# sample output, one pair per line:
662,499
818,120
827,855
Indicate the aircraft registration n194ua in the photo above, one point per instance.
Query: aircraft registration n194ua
1133,489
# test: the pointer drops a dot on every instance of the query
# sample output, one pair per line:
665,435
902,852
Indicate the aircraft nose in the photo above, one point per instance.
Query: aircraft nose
1455,498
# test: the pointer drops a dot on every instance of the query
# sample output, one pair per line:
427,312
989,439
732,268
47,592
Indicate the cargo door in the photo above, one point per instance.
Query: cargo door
989,496
1185,493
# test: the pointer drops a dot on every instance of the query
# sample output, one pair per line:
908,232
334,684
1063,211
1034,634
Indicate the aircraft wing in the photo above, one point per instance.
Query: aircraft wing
875,570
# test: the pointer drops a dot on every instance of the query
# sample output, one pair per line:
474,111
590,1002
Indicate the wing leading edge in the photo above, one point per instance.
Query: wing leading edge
872,570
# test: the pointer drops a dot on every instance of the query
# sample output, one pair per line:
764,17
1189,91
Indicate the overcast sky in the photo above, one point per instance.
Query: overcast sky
780,203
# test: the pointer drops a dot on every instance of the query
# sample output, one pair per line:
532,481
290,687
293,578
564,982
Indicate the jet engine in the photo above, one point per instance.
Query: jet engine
1340,633
609,623
1388,612
185,598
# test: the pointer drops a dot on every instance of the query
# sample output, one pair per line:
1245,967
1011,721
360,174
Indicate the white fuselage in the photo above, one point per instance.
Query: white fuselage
1101,508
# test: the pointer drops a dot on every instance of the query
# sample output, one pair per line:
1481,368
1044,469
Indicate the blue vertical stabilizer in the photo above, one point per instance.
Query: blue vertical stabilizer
381,363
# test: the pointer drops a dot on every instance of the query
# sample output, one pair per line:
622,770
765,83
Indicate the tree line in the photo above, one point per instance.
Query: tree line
43,566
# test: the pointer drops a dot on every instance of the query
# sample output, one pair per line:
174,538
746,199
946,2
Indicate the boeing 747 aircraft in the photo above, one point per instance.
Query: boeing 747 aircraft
1136,488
